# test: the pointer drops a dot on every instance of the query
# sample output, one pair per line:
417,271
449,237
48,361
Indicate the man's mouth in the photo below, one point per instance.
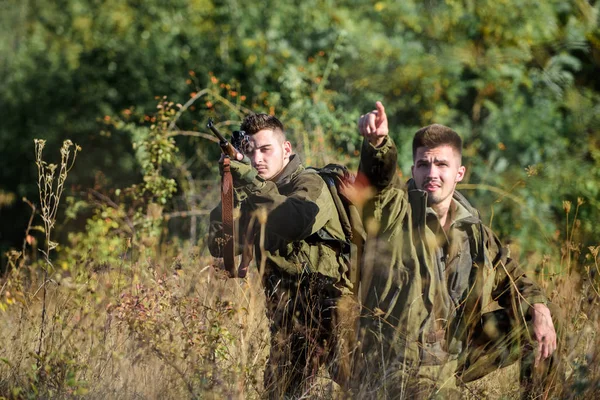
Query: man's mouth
430,187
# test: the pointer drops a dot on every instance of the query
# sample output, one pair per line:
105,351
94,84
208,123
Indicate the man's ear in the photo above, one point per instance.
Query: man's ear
461,173
287,150
412,171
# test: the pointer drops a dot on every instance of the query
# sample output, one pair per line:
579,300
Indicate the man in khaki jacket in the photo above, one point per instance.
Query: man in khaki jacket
442,300
297,250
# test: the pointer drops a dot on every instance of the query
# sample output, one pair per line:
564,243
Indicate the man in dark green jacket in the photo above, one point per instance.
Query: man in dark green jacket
287,213
441,297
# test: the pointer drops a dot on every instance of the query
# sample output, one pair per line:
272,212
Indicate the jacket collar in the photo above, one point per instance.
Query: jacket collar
464,213
293,168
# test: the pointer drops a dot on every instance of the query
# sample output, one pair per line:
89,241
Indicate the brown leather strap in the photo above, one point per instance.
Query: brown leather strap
227,218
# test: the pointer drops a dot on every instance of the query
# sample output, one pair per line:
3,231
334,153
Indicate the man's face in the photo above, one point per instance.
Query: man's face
436,171
268,152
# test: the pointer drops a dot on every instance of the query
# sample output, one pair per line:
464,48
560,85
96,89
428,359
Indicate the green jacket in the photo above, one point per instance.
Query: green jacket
424,291
302,227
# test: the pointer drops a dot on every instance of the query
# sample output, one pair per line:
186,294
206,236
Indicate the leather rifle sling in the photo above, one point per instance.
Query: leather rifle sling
227,218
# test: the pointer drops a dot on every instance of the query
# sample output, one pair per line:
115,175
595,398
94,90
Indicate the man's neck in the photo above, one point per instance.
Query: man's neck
275,177
444,213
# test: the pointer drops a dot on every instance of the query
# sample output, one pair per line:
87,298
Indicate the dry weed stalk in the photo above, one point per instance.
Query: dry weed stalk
51,188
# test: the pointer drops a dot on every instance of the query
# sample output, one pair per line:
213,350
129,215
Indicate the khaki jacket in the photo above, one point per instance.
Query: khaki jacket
302,226
424,291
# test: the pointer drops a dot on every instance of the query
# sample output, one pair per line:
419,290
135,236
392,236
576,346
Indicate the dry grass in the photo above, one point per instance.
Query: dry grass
149,332
172,326
158,332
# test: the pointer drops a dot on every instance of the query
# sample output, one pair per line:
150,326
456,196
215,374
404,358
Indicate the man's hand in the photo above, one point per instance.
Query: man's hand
374,125
242,171
238,156
543,331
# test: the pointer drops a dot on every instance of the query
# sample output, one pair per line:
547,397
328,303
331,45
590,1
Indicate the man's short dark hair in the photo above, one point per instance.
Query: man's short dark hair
437,135
254,123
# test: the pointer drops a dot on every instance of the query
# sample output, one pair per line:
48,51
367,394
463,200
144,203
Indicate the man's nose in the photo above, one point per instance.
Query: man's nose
431,170
255,158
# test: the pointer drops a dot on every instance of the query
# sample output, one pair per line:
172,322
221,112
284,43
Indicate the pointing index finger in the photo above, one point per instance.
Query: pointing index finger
380,111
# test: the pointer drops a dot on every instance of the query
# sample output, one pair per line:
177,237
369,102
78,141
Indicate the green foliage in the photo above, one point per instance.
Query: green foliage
507,75
153,149
104,242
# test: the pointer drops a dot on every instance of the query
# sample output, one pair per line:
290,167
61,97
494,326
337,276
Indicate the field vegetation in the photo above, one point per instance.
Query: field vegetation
107,172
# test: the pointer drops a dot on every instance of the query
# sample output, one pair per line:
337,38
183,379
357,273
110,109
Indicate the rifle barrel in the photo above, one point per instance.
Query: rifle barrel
214,130
225,145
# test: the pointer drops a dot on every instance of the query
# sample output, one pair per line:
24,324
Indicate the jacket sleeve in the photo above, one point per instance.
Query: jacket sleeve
295,216
379,164
512,287
387,209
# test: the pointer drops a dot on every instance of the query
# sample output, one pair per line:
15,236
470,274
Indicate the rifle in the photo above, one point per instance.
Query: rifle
230,150
226,147
239,141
